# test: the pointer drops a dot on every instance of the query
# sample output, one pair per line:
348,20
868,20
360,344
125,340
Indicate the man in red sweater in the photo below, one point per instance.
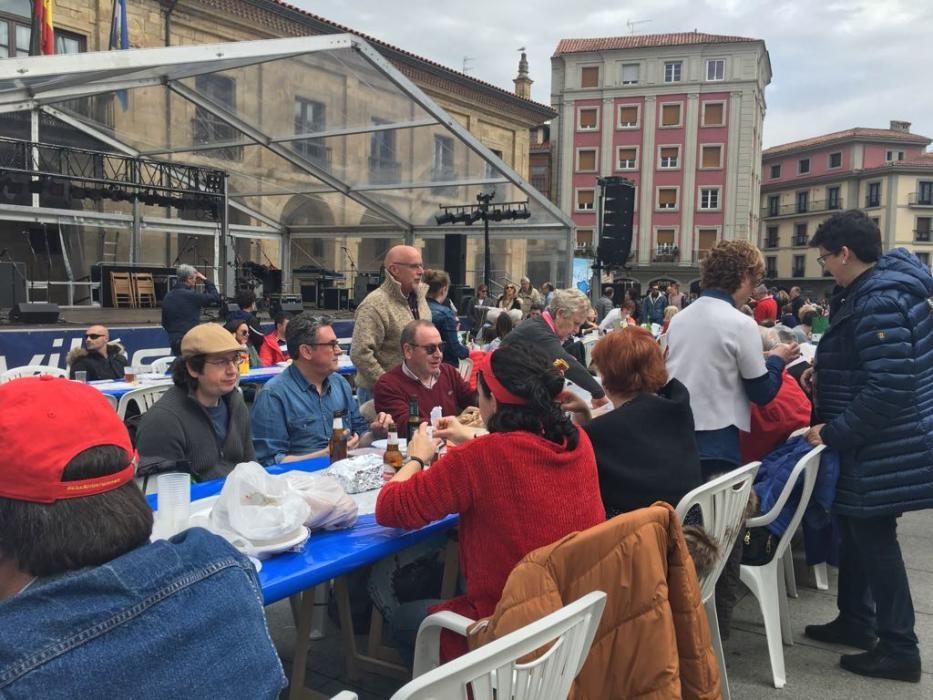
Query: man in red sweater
422,374
766,307
274,348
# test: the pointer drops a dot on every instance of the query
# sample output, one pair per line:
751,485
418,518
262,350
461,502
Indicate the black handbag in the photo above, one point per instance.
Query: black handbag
759,546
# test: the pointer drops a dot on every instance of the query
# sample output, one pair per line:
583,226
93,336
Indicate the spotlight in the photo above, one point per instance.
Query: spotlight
444,218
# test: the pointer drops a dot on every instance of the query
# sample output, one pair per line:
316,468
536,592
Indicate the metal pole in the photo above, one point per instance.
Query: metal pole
487,257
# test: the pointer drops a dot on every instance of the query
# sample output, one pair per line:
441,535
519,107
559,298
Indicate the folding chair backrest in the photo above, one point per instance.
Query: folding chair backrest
32,371
493,670
722,503
466,368
144,398
161,365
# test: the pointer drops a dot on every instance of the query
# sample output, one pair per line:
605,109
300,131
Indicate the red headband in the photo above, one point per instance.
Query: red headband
502,394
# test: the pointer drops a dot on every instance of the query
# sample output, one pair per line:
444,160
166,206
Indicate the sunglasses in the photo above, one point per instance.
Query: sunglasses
432,348
93,336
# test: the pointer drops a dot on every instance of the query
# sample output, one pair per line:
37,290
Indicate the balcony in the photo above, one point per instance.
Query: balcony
208,129
798,272
772,242
921,235
383,172
871,201
666,252
700,254
920,199
810,208
315,151
800,241
771,273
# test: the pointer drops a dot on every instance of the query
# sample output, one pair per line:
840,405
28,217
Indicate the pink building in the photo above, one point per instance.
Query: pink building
680,115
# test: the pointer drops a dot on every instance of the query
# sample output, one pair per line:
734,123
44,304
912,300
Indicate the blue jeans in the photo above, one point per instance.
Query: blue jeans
874,593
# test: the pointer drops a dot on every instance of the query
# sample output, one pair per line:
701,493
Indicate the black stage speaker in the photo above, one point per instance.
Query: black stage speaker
291,307
336,298
615,238
459,293
37,312
455,246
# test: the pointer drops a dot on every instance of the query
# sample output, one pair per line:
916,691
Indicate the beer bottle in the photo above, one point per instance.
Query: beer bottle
338,438
392,458
414,417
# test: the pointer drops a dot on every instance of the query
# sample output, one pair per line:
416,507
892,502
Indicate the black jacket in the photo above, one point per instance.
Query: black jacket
181,309
646,450
96,365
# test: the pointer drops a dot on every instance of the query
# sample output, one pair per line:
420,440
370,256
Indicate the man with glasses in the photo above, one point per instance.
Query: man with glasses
293,415
97,356
382,316
423,374
202,420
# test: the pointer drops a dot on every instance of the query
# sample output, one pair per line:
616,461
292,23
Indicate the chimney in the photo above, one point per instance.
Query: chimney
523,82
900,126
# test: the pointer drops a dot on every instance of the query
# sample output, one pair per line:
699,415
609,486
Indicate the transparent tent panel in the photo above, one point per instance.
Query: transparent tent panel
323,210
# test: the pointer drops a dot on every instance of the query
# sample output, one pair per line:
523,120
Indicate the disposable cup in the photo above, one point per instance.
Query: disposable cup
130,374
174,500
81,376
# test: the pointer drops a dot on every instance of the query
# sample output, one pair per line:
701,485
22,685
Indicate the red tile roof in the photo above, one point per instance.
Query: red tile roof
856,134
531,104
643,41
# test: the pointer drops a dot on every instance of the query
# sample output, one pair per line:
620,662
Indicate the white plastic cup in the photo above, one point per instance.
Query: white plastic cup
174,500
81,376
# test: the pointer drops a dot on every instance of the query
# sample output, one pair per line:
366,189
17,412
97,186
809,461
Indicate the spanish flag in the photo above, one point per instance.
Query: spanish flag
42,40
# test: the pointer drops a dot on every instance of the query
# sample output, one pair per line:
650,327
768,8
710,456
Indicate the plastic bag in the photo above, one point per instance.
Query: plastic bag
258,506
331,507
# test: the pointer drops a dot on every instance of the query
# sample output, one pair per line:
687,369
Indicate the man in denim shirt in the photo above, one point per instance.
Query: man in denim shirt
293,416
89,608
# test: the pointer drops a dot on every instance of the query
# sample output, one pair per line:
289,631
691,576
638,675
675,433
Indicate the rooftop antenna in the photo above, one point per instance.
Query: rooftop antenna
467,60
630,23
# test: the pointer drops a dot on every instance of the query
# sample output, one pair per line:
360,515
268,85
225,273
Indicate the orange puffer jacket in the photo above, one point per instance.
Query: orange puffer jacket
653,641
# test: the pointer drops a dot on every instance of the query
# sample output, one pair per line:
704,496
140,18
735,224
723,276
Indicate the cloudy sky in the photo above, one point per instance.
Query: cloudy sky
837,63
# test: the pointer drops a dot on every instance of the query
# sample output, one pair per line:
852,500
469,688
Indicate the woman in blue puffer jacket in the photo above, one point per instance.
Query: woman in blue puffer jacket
873,390
443,316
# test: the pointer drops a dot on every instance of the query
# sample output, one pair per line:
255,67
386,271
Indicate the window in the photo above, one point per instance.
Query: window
709,198
665,237
588,118
774,205
14,36
628,158
442,166
772,240
310,118
586,160
716,69
491,170
667,198
670,115
585,200
711,156
925,192
832,198
892,156
630,73
803,201
207,128
68,43
584,237
922,231
706,240
775,171
714,114
668,157
539,178
771,267
874,195
835,159
589,76
383,165
800,266
800,234
628,116
803,166
672,71
924,258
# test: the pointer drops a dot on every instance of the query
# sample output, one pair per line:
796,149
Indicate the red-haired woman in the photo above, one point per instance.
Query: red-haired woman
645,447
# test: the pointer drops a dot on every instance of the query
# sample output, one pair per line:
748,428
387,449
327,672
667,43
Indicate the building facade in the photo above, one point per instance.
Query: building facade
885,172
679,115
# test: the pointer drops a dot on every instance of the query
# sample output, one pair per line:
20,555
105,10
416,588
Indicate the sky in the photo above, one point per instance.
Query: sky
837,64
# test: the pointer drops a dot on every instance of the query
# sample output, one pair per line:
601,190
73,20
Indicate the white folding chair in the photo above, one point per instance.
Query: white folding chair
32,371
112,400
722,503
144,398
466,368
493,670
161,365
767,581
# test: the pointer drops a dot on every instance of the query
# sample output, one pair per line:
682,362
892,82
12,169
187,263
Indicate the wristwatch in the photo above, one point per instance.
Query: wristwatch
419,461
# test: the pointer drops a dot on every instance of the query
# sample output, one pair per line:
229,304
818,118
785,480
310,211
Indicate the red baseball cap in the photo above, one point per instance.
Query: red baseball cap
45,421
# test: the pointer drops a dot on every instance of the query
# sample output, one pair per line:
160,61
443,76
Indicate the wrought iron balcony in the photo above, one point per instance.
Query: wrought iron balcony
382,172
666,252
922,235
810,208
920,199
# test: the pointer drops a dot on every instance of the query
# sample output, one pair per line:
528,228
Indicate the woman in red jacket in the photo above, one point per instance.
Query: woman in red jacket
529,482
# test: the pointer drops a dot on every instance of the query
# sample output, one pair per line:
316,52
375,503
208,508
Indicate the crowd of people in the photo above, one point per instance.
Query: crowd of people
679,390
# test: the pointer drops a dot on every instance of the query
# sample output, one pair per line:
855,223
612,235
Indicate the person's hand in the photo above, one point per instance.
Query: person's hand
786,351
380,426
451,430
815,434
353,441
421,445
599,403
806,380
199,276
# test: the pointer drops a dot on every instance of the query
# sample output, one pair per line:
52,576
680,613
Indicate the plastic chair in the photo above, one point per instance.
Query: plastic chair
144,288
494,669
144,398
121,289
466,368
767,581
32,371
722,503
112,400
161,366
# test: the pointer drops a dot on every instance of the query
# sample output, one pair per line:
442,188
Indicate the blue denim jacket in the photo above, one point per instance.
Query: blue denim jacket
171,619
290,417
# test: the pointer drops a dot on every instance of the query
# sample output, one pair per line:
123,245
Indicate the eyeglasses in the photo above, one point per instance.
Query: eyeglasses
93,336
333,345
822,259
224,361
431,348
410,266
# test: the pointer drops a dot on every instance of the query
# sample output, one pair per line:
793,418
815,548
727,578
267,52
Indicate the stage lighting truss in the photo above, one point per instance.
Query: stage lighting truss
469,214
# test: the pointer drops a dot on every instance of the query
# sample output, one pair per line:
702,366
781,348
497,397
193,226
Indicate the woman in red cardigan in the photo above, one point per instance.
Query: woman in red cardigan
529,482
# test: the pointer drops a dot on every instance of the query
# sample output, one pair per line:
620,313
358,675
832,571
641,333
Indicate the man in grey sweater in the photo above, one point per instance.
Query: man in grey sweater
202,420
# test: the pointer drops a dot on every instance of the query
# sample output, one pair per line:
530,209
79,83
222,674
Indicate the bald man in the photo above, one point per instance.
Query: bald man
100,358
385,311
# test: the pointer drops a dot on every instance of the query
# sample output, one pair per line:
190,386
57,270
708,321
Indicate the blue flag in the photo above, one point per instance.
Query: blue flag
120,39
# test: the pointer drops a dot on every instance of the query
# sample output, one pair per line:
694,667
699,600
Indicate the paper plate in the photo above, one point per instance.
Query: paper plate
256,564
383,444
